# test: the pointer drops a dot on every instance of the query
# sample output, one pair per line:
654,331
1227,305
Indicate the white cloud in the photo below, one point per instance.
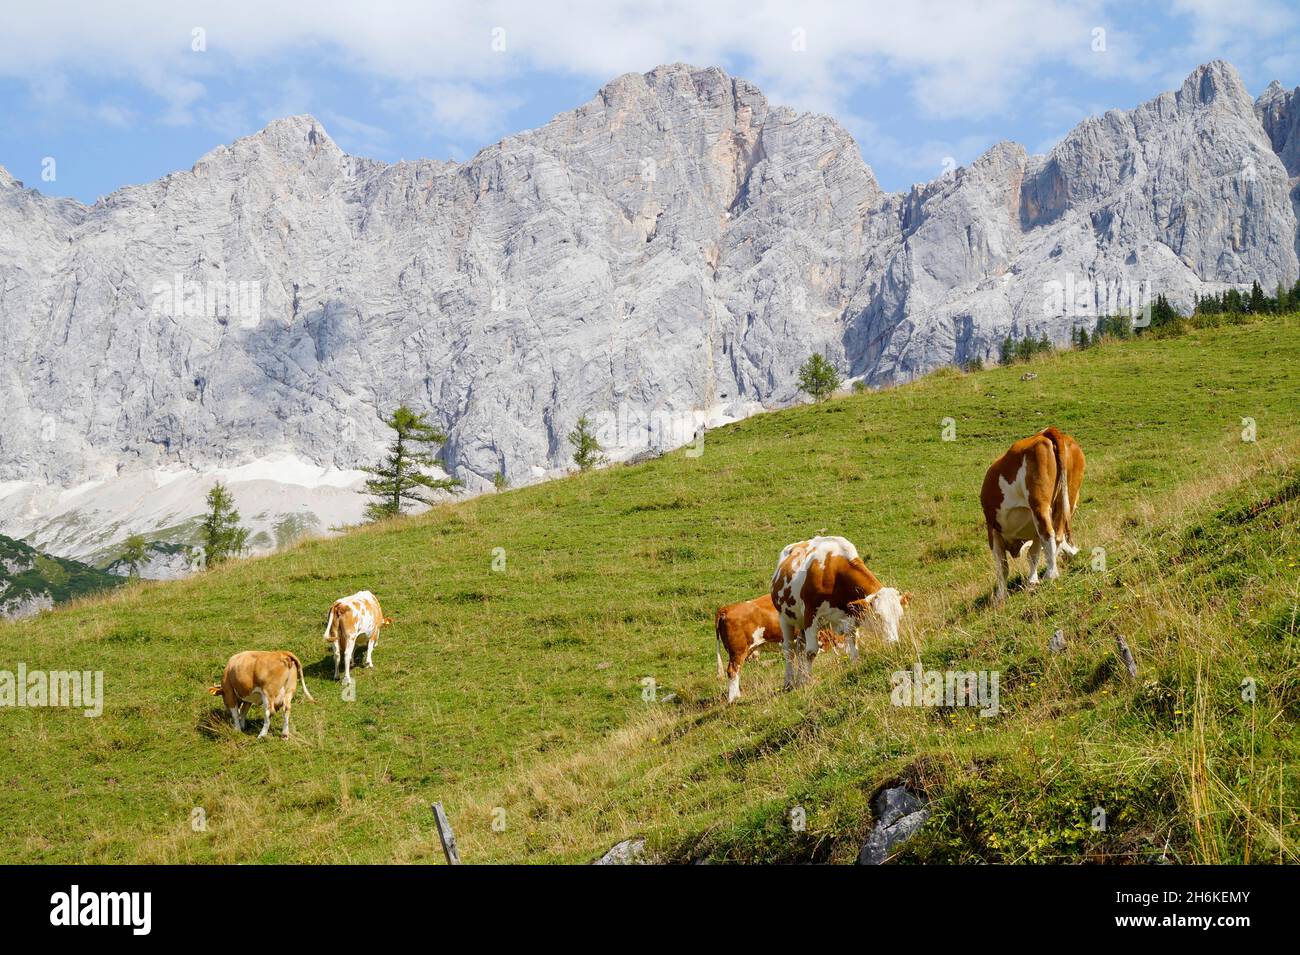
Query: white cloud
456,108
356,137
958,59
961,58
1257,36
113,115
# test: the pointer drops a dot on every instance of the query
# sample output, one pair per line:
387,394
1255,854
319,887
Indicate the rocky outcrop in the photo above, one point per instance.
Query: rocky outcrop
661,258
1278,110
899,814
31,582
627,852
25,605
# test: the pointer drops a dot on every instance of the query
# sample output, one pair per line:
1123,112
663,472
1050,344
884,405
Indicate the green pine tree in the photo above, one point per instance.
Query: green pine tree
818,377
1162,313
401,479
1256,299
220,532
587,452
135,551
1006,351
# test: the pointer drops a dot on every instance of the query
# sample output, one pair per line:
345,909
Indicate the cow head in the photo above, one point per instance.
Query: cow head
882,612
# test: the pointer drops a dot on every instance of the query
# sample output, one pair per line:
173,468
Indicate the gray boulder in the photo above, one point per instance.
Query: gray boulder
899,814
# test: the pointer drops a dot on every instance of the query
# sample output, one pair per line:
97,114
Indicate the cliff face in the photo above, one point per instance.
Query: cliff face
664,256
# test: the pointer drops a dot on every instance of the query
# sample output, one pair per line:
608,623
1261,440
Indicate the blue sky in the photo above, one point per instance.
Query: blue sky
124,96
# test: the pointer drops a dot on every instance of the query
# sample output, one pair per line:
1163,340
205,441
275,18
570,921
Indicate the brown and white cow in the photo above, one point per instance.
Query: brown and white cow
1029,497
268,677
350,618
822,584
742,628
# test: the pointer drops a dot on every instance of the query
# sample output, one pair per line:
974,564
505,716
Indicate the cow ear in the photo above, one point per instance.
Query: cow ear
905,599
865,602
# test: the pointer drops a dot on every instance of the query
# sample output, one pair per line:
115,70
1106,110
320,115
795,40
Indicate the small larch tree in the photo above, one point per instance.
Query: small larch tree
221,533
818,377
135,551
587,452
401,478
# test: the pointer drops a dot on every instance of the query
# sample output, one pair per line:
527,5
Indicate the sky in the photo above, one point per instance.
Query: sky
95,96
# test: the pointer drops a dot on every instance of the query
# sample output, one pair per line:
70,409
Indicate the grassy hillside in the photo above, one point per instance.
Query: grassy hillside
517,695
25,573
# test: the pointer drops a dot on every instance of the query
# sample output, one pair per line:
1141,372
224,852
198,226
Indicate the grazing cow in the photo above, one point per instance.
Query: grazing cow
268,677
823,584
1029,496
744,627
349,618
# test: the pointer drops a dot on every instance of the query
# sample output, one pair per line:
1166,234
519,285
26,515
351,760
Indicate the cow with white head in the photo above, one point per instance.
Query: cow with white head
822,584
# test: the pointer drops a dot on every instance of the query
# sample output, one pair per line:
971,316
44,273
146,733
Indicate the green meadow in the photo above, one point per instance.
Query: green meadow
569,698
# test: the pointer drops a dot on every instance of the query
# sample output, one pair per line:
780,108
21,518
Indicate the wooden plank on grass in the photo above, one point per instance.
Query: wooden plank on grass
446,835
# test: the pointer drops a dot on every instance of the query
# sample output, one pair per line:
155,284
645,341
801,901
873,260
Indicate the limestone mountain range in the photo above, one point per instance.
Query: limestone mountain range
663,257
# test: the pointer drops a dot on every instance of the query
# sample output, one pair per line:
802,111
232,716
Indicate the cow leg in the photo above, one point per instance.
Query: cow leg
285,732
238,720
787,651
810,650
370,649
1065,539
1035,551
999,565
1049,548
733,676
335,644
1047,539
266,705
347,658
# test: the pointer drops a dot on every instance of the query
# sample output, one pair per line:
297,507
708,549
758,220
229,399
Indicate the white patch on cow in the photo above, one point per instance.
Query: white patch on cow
239,720
733,688
1015,519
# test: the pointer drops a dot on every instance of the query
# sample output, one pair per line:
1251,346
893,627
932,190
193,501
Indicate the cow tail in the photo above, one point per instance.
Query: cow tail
1062,477
329,625
297,665
717,633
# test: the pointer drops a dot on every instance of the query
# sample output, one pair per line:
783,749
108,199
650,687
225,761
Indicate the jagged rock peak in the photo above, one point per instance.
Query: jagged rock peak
1215,81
